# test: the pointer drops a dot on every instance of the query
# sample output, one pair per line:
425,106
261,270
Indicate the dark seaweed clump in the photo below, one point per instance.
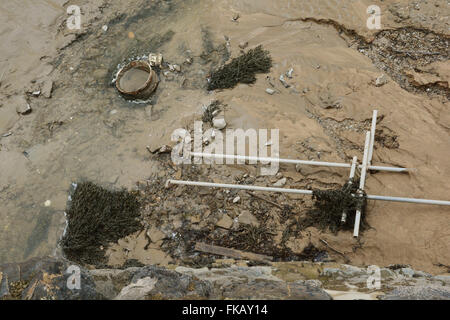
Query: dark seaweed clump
208,113
329,206
96,217
241,69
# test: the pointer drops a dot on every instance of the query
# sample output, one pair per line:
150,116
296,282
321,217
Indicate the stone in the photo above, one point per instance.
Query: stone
138,290
243,44
47,88
289,73
155,234
270,91
381,80
408,272
422,292
247,218
47,278
219,123
22,105
280,182
225,222
155,60
237,199
283,81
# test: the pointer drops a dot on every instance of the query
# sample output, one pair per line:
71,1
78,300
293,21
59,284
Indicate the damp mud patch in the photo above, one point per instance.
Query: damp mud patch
96,217
241,69
326,213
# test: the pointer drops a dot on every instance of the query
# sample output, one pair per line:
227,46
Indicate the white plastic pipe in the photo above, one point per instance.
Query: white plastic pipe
298,191
350,181
410,200
304,162
362,182
372,135
238,186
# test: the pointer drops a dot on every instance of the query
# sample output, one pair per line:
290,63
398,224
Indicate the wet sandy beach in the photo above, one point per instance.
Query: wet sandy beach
80,128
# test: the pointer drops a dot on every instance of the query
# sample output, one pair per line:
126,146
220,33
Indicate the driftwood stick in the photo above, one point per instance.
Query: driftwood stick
232,253
335,250
264,199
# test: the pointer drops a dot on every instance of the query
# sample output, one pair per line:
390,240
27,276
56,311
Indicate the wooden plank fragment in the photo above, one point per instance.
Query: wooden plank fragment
232,253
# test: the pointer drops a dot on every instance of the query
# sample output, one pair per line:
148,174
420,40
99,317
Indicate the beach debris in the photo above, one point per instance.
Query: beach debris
329,205
159,150
232,253
243,44
7,134
225,222
137,80
155,59
241,69
283,81
270,91
219,123
174,67
347,260
247,218
36,93
210,111
105,28
381,80
47,88
96,217
264,199
289,73
23,107
280,182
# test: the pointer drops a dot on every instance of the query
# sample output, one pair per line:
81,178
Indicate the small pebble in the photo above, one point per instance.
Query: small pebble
47,203
270,91
289,73
243,44
237,199
219,123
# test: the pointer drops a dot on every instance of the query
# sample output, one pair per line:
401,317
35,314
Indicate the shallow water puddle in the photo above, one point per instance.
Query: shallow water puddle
133,79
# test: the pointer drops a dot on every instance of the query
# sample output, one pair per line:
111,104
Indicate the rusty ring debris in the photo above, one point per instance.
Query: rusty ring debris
146,89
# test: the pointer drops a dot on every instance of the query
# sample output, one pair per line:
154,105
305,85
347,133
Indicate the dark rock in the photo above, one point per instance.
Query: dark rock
418,293
45,279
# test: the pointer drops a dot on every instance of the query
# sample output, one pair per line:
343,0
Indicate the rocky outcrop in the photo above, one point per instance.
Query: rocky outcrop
46,279
50,278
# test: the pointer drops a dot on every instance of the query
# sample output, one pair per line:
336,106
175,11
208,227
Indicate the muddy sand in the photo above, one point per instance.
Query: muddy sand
79,128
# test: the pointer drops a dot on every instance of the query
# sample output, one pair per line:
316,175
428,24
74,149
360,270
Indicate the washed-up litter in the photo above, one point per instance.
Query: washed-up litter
137,80
332,206
232,253
284,82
